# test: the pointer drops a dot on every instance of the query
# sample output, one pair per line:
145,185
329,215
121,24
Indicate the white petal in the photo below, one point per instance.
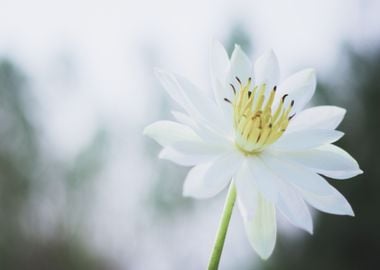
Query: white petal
246,191
183,118
195,102
306,139
226,93
219,60
201,147
206,180
183,159
254,177
185,147
169,132
328,160
300,87
297,175
206,111
314,188
205,132
172,87
294,208
321,117
262,228
240,66
265,180
334,203
267,70
219,65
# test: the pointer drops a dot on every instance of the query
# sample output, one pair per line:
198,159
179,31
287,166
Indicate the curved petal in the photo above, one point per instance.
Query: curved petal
201,148
205,132
206,180
253,178
169,132
183,118
334,203
247,193
328,160
314,188
262,228
175,156
265,180
298,176
219,65
240,66
267,70
171,86
199,106
294,208
320,117
306,139
300,87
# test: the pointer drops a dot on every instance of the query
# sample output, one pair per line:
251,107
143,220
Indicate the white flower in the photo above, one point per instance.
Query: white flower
257,134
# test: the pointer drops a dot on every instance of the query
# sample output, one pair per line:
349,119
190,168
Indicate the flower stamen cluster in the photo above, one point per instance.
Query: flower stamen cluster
257,124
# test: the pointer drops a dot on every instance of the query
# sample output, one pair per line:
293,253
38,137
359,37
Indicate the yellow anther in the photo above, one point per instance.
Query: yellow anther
268,106
255,125
260,98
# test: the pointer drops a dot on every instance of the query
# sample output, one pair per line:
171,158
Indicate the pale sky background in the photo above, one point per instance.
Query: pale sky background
90,63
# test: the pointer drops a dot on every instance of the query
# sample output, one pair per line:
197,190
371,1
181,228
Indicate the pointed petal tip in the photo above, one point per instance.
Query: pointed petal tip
150,129
162,154
265,254
262,229
266,69
216,45
309,228
308,74
350,212
352,174
311,73
347,174
186,193
146,130
239,50
343,110
270,53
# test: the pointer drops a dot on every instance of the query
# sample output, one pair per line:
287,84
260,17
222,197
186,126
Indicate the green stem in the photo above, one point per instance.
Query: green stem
222,230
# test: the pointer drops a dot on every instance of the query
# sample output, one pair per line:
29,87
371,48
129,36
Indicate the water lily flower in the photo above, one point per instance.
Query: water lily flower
255,135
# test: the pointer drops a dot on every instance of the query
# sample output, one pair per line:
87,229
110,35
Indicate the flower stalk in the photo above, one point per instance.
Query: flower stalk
222,229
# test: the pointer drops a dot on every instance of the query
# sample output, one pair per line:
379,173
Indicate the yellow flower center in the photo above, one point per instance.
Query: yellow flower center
256,123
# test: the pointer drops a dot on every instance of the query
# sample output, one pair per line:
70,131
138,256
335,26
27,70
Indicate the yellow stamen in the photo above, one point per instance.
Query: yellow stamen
255,125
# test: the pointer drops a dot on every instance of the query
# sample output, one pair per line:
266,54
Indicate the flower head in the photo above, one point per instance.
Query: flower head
254,130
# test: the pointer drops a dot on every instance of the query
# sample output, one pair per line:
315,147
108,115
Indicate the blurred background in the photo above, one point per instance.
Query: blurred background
81,188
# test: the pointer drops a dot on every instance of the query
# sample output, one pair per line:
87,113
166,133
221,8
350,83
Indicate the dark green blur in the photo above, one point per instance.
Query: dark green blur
25,171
